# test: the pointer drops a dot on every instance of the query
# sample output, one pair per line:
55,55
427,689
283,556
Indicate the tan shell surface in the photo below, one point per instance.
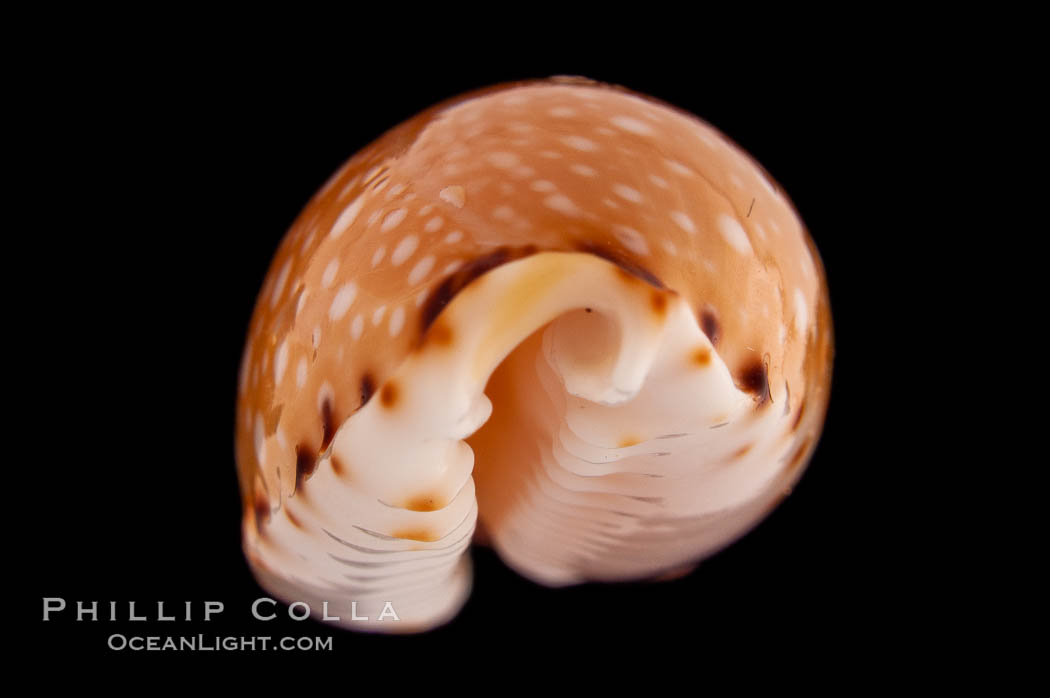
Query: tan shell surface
555,165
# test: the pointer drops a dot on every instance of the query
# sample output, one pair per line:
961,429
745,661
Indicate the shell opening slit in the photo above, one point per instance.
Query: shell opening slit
568,410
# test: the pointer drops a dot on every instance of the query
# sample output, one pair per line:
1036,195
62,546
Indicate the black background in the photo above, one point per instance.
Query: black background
163,183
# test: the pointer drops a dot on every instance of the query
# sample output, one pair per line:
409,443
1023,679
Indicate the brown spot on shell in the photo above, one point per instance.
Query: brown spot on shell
337,466
798,417
305,463
368,388
439,334
709,324
658,301
628,441
262,509
426,502
633,269
455,282
799,456
420,534
389,394
754,379
701,356
742,451
291,518
327,424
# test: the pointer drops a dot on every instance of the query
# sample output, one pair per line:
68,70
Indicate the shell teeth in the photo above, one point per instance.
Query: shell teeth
596,459
627,490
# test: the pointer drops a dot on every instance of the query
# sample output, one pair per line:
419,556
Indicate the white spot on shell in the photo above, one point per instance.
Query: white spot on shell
626,192
523,171
808,269
561,112
393,219
580,143
397,321
678,168
503,213
260,436
426,210
503,160
708,138
328,277
550,154
584,170
734,234
357,326
629,123
562,204
377,256
451,267
282,278
610,203
405,249
324,394
455,195
670,247
684,222
342,301
347,217
422,268
280,362
395,191
434,224
659,181
377,316
801,315
453,237
315,336
542,185
631,239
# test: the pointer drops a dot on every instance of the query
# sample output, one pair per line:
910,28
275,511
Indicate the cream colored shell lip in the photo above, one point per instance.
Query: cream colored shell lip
558,315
